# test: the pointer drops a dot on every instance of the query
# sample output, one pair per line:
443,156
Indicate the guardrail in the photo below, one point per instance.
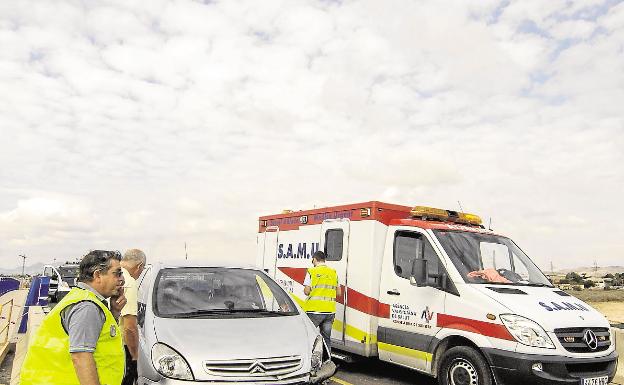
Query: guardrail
8,318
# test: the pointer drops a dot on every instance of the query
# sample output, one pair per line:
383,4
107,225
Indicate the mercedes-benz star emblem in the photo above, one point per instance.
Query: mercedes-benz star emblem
590,339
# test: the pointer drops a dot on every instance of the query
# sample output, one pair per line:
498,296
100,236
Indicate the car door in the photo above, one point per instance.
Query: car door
406,336
335,241
48,271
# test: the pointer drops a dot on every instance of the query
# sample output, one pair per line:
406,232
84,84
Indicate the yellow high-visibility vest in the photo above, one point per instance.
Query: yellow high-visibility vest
48,361
323,284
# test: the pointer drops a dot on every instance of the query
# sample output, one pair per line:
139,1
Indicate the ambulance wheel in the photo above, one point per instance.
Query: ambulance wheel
463,365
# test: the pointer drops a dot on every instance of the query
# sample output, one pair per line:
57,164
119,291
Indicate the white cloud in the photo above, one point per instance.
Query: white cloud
150,124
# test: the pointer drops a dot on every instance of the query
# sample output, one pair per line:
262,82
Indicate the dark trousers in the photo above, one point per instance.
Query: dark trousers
324,322
131,375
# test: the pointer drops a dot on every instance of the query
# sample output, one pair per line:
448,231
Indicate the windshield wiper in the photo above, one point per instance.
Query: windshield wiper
538,284
201,312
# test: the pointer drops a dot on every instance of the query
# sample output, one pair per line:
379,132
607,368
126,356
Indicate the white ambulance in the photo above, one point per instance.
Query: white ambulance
435,291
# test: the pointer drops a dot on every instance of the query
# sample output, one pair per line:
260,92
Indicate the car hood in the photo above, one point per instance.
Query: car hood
546,306
200,340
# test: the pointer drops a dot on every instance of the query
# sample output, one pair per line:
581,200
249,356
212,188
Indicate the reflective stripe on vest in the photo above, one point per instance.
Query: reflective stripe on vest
48,361
323,284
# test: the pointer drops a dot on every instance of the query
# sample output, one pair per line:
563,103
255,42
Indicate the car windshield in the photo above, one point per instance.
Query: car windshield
68,271
490,259
206,292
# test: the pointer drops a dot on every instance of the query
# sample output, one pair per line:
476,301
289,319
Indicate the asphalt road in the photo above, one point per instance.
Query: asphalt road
375,372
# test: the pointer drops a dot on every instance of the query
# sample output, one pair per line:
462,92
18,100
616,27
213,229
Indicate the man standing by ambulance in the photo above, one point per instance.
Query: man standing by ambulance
79,342
322,288
132,265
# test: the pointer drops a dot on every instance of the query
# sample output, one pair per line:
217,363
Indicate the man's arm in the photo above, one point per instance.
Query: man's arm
339,291
84,364
306,283
131,335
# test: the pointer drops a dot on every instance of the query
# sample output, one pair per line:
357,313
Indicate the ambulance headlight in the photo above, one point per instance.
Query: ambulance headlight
170,363
317,353
527,332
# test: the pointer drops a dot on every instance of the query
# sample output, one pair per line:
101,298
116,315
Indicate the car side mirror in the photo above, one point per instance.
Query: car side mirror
419,276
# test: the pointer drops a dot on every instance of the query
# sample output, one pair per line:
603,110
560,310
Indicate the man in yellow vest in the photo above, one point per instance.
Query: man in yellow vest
79,341
322,288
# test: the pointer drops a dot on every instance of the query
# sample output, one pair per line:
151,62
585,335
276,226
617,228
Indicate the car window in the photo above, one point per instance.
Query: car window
409,245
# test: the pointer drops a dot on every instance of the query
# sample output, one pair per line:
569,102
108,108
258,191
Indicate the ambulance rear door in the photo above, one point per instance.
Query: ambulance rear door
269,256
335,243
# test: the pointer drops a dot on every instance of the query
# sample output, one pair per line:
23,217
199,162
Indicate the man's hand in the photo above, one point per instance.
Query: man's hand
117,302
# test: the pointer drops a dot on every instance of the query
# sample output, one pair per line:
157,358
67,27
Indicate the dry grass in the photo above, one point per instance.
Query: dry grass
609,302
593,296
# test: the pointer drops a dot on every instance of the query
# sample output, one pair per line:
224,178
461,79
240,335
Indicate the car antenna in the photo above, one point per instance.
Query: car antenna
460,207
490,225
185,252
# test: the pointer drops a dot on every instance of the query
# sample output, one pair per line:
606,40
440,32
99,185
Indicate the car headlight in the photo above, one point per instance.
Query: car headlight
64,284
317,353
170,363
527,332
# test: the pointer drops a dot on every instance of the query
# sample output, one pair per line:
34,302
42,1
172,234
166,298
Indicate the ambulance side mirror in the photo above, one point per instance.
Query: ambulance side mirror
419,276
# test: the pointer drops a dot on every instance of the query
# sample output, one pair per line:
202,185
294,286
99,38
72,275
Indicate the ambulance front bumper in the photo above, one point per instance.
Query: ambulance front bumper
516,368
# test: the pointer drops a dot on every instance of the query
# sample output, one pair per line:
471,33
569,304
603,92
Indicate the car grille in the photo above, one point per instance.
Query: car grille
259,367
572,339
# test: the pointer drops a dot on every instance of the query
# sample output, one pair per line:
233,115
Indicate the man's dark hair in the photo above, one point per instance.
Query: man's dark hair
319,256
96,260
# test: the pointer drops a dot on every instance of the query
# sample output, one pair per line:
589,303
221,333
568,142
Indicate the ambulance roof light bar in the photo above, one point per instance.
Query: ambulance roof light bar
432,213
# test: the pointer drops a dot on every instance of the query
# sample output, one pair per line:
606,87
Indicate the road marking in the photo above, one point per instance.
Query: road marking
341,382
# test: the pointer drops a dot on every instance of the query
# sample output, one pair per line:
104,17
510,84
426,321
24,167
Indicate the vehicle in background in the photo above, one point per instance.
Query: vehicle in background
62,279
225,325
435,291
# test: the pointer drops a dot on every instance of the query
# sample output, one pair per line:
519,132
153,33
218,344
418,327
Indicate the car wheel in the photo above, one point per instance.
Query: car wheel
463,365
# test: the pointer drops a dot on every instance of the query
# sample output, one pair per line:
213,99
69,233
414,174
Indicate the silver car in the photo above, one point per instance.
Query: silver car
224,324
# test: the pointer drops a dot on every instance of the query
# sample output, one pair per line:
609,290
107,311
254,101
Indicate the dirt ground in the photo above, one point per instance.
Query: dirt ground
608,302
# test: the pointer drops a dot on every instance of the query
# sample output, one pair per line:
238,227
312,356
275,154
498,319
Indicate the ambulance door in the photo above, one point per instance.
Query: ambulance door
406,337
269,257
335,244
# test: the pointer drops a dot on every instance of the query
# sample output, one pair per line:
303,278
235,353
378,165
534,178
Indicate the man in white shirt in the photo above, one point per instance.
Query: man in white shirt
132,265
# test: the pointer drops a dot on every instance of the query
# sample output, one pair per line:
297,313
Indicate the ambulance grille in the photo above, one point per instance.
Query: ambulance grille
259,367
572,339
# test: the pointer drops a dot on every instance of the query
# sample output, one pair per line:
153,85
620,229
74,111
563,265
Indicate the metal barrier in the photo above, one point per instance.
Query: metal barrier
8,318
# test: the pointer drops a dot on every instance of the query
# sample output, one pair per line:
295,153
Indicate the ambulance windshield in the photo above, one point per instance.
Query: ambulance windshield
205,292
491,259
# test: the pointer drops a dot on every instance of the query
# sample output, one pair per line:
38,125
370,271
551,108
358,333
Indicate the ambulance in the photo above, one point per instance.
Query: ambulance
435,291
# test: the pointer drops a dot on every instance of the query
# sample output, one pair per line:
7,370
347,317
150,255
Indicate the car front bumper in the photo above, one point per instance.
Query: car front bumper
511,368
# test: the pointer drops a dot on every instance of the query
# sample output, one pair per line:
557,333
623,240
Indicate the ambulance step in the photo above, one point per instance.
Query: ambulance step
348,358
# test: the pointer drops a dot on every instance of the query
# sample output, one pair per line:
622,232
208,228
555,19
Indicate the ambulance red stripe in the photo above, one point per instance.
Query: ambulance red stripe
470,325
371,306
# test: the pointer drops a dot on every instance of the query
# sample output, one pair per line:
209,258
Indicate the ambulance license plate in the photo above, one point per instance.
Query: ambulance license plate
604,380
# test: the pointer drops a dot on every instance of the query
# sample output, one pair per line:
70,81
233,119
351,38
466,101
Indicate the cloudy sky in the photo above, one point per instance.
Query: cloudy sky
148,124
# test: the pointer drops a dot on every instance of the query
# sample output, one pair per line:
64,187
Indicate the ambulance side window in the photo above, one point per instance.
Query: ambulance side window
409,246
333,244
